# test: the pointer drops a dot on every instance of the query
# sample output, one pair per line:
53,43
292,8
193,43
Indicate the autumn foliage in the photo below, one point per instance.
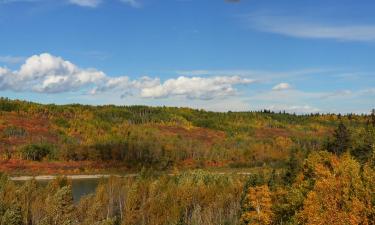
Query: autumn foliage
304,169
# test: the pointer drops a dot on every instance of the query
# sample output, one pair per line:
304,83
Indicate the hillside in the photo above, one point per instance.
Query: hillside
188,166
36,138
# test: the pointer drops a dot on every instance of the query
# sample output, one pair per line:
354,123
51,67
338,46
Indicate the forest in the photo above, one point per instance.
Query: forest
304,169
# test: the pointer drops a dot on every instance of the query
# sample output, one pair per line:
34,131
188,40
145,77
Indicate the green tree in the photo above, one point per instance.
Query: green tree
341,141
363,151
292,168
37,152
12,216
61,207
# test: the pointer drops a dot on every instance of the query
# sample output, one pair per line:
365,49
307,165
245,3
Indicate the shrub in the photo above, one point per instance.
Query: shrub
37,152
13,131
61,122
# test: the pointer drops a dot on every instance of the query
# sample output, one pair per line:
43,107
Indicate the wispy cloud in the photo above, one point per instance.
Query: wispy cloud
340,93
299,109
86,3
11,59
265,76
132,3
300,28
281,87
82,3
13,1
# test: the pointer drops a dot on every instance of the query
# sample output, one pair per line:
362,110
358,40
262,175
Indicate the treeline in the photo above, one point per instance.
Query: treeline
328,189
335,186
166,137
322,189
190,198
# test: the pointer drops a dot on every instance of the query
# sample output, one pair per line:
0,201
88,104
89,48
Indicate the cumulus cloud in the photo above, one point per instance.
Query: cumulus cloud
46,73
196,87
86,3
281,87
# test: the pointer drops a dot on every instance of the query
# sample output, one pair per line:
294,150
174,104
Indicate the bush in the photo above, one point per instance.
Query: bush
37,152
13,131
12,217
61,122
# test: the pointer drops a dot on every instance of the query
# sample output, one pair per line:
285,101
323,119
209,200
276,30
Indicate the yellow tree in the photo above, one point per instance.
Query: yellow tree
257,206
338,196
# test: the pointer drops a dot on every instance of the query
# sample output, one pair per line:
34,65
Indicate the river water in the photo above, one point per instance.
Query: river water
80,187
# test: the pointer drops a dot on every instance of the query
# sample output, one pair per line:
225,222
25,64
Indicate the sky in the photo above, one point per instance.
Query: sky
302,56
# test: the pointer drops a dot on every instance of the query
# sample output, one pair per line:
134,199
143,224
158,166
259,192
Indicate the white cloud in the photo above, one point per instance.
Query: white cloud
281,87
46,73
195,87
214,90
86,3
297,27
299,109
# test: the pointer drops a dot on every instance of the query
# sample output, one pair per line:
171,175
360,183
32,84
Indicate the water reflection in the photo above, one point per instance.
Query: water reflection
83,187
80,187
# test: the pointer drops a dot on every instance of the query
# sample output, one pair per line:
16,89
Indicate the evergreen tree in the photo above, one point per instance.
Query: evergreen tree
292,169
61,210
341,140
273,180
364,151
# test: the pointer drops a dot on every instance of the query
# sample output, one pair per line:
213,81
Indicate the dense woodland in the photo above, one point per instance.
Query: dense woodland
308,169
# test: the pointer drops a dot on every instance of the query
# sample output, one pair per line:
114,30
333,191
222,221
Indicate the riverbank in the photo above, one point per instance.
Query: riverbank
98,176
73,177
19,167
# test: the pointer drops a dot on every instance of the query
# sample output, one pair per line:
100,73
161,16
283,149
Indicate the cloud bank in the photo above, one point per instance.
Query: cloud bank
213,90
46,73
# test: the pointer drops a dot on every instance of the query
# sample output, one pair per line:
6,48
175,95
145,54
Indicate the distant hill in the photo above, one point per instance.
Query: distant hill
80,138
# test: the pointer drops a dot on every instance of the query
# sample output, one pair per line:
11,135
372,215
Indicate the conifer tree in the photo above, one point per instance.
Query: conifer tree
341,140
292,169
61,210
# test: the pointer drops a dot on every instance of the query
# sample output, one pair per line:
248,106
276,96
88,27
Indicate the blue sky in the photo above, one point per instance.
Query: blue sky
299,56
